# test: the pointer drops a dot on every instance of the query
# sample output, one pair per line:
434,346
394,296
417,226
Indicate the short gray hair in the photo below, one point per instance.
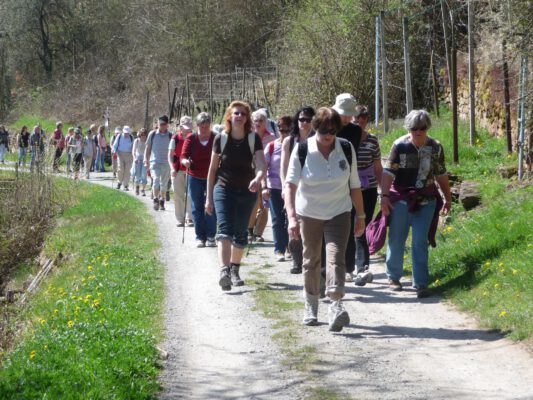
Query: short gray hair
417,119
203,117
260,114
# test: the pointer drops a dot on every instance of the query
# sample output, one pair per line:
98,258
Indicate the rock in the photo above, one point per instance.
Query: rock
507,171
469,195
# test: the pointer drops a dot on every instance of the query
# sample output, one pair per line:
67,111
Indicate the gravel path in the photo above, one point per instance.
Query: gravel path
396,347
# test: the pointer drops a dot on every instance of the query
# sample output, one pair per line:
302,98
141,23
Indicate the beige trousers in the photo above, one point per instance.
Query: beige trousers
125,162
179,183
258,217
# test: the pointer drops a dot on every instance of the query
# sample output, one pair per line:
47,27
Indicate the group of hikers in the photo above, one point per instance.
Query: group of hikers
318,172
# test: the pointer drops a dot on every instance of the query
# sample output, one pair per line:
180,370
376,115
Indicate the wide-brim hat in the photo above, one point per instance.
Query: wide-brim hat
345,105
126,129
186,122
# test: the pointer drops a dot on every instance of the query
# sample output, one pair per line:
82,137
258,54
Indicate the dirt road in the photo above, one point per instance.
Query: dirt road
396,347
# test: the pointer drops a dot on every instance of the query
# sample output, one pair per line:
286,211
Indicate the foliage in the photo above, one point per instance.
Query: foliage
93,328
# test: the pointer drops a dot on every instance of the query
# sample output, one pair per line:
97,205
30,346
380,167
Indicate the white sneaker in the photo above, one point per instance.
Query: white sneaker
211,242
310,310
349,277
280,256
338,317
200,243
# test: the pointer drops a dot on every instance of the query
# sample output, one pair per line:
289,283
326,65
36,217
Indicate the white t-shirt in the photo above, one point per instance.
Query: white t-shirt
323,185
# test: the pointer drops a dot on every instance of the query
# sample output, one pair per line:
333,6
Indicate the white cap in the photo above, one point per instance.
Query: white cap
345,105
126,129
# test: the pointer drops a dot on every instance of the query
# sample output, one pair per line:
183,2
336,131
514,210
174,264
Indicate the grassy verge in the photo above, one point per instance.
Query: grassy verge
91,330
279,305
483,258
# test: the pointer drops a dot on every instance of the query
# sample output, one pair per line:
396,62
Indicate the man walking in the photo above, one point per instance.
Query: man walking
89,150
122,147
155,157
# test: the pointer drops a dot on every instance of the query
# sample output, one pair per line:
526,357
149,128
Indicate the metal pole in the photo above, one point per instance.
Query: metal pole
454,95
384,81
471,73
434,82
377,103
146,110
188,88
408,89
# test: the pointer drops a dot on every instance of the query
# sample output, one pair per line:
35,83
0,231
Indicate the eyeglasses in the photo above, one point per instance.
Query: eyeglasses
239,113
418,129
327,131
304,119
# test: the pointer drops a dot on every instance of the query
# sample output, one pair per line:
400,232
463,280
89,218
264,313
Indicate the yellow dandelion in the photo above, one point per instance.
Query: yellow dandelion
449,229
96,302
502,270
503,314
70,324
90,268
33,353
56,311
42,321
45,347
485,293
500,265
487,264
437,281
497,286
515,271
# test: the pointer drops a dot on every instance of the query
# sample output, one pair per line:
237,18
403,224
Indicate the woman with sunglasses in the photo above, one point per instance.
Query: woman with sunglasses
301,130
272,190
320,191
232,186
409,196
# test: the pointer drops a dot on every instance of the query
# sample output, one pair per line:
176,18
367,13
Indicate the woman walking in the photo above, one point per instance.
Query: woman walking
195,157
302,129
69,149
4,143
100,149
232,186
23,142
321,187
272,190
140,176
410,197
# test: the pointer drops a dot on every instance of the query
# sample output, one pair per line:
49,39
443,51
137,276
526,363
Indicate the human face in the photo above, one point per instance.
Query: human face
304,122
418,135
143,136
259,125
284,130
345,120
204,128
362,121
162,126
326,135
238,117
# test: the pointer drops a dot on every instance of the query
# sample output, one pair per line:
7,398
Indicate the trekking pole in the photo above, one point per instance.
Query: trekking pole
186,197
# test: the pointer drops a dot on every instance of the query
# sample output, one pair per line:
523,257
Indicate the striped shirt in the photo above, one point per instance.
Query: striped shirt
367,153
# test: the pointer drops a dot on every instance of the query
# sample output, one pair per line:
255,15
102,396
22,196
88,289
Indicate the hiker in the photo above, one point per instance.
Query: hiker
195,157
345,105
37,147
23,142
114,156
370,173
175,147
411,199
272,190
101,147
58,141
4,143
301,130
123,147
140,173
89,150
69,149
271,125
156,158
321,186
235,193
94,133
76,145
259,216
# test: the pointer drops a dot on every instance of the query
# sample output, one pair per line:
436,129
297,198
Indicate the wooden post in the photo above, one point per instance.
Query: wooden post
434,82
408,89
168,91
254,91
180,108
377,99
232,90
507,99
188,88
384,80
454,94
471,74
446,36
146,111
522,115
267,103
172,105
277,84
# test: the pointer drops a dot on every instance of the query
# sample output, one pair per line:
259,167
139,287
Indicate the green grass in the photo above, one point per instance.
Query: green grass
482,261
92,329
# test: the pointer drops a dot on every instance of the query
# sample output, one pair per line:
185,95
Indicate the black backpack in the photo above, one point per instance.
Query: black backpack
345,145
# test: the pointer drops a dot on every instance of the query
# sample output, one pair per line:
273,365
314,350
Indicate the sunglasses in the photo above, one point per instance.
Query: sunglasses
304,119
327,131
419,129
239,113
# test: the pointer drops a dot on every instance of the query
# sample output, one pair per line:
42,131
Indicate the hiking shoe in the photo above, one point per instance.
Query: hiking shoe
422,292
395,285
362,278
225,279
162,205
119,185
296,269
143,193
180,224
211,242
259,238
167,196
279,256
349,277
310,310
288,256
137,190
156,204
235,277
126,189
338,317
189,223
200,243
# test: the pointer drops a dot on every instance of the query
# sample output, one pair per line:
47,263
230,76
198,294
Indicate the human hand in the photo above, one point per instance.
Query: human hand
359,228
265,194
254,185
445,210
386,206
294,228
174,173
209,207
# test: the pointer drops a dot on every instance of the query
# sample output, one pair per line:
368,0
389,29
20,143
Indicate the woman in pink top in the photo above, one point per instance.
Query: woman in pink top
100,149
259,216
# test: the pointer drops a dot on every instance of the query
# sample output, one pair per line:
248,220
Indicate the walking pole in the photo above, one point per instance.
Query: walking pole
186,197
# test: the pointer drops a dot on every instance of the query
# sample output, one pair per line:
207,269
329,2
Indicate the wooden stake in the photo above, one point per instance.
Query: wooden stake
471,74
507,99
454,95
384,80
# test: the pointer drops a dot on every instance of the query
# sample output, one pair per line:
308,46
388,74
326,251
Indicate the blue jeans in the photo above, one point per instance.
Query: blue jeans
205,225
362,254
100,159
233,208
23,151
3,151
140,172
400,222
279,221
